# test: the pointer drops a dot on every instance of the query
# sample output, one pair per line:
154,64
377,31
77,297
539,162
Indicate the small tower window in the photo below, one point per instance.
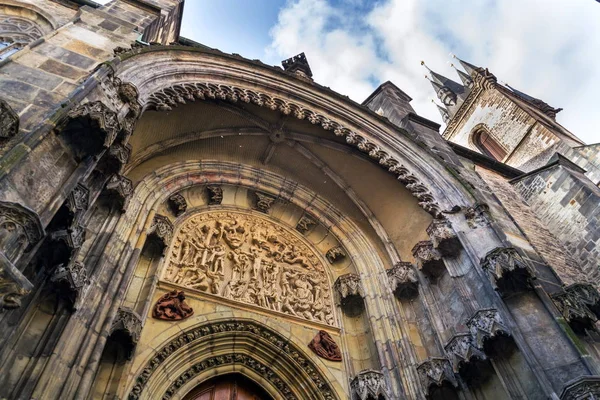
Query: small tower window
487,145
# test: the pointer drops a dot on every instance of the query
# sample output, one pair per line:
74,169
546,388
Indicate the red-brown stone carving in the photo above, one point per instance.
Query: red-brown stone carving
324,346
172,307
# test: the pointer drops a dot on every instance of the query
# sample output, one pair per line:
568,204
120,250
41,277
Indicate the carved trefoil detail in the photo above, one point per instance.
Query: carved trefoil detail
177,204
436,372
305,223
403,280
478,215
335,254
71,280
486,327
509,272
325,347
161,229
9,121
264,202
443,237
172,307
126,329
429,260
584,388
349,294
467,359
369,384
215,194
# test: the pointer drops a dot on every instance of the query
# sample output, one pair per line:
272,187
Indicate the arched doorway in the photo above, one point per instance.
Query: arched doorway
228,387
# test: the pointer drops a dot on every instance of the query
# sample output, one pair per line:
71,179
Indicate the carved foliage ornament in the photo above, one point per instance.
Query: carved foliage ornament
369,384
168,98
79,199
403,280
348,286
9,121
232,327
120,188
579,304
509,271
462,351
249,259
325,347
172,307
305,224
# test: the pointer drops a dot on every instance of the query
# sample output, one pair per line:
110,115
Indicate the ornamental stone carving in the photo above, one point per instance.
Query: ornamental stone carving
126,329
78,200
249,259
335,254
467,360
435,372
116,157
325,347
264,202
403,280
443,237
305,224
478,215
369,384
72,237
161,229
20,230
172,307
486,328
9,121
13,285
119,188
349,294
177,204
167,98
71,279
215,194
509,272
429,260
587,294
575,311
584,388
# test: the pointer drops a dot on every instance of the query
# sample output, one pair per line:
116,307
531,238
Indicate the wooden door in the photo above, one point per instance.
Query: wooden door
228,387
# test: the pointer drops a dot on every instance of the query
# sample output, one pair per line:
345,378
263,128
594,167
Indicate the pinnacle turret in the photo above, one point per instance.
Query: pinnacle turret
443,112
464,77
470,68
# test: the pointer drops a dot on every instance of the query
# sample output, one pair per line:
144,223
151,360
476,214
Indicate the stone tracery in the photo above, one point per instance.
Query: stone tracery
247,258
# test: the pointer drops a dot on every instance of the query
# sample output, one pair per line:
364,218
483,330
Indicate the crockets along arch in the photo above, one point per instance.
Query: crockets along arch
170,75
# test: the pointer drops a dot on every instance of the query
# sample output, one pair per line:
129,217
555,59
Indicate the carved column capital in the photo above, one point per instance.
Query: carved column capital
71,279
443,237
9,121
335,254
215,194
349,294
435,372
305,224
403,280
120,189
429,260
485,326
509,272
177,204
264,202
161,229
478,215
584,388
126,329
369,384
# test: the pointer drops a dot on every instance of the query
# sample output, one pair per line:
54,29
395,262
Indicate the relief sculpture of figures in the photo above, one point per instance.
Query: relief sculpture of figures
248,258
324,346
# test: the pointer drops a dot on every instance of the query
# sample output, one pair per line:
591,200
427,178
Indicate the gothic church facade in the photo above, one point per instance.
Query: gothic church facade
181,223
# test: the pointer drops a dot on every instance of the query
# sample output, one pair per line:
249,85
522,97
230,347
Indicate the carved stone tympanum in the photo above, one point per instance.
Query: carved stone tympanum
264,202
584,388
250,259
172,307
215,194
177,204
487,329
436,372
335,254
369,384
325,347
126,329
403,280
510,273
429,260
9,121
443,237
349,294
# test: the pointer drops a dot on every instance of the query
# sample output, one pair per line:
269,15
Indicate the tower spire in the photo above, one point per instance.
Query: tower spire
443,112
465,78
444,93
470,68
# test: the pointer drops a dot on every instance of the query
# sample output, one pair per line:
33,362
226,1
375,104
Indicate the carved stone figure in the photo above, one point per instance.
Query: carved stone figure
9,121
478,215
13,285
248,258
429,260
508,270
215,194
325,347
178,204
305,224
335,254
435,372
404,281
172,307
443,237
369,384
264,202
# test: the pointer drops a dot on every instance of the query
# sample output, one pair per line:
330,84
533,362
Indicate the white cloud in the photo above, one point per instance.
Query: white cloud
549,49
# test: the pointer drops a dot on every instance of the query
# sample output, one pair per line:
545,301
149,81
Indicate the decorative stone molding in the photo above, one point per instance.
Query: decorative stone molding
166,99
403,280
486,326
349,294
120,189
79,199
510,273
172,307
325,347
584,388
289,353
126,329
264,202
435,372
161,229
443,237
466,358
305,224
177,204
335,254
13,285
20,229
478,215
575,311
71,279
215,194
369,384
9,121
429,260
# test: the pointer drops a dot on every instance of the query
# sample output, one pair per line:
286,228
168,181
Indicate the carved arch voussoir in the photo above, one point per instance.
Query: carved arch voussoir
168,98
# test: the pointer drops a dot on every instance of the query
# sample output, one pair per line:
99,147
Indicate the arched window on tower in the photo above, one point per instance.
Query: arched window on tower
19,27
486,144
